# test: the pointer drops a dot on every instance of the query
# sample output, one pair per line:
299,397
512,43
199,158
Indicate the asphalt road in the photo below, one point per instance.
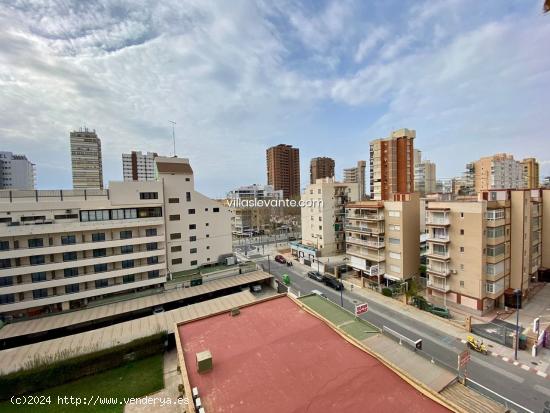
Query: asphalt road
520,386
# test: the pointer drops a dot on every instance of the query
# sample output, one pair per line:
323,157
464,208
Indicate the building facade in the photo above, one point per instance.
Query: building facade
61,250
323,223
16,172
479,251
319,168
500,171
137,166
425,177
382,239
283,169
530,173
357,175
86,160
392,165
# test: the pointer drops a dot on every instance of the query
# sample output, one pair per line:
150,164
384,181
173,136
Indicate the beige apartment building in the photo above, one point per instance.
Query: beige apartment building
530,173
392,165
500,171
357,175
321,167
382,238
86,160
479,251
283,169
323,224
63,249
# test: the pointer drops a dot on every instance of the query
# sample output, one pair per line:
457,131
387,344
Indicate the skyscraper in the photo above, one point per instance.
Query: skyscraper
319,168
16,172
283,169
137,166
392,165
357,175
86,160
530,173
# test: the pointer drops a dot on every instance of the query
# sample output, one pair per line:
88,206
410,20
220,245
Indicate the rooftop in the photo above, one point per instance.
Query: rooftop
274,357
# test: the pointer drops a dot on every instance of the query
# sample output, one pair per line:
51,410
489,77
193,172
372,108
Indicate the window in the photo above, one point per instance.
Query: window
462,284
153,274
395,214
97,215
98,237
71,256
208,247
151,246
101,283
129,213
151,232
70,272
194,262
393,227
175,248
187,179
130,278
100,267
40,293
461,232
5,263
72,288
192,226
461,249
176,261
37,259
193,238
395,268
100,252
495,251
152,260
6,281
68,239
495,232
193,251
148,195
494,214
207,224
126,249
150,212
188,196
395,255
191,211
35,242
7,299
216,209
174,217
462,215
66,216
173,200
4,245
175,235
205,209
37,277
125,234
394,241
207,235
128,264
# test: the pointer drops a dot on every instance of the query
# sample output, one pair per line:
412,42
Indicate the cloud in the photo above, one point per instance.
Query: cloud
375,36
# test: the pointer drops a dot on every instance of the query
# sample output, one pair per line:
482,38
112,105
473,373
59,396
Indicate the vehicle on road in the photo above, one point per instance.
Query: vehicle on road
158,310
256,288
476,345
280,259
315,275
333,283
319,293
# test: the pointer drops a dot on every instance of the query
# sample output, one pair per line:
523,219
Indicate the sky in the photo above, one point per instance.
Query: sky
471,77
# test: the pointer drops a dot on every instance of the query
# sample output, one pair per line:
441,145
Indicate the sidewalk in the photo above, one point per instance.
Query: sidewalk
539,365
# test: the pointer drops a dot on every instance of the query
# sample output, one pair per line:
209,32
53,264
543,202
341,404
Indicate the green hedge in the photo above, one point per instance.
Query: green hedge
387,292
44,375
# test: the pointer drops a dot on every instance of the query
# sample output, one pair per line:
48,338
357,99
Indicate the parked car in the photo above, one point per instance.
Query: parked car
314,275
334,283
280,259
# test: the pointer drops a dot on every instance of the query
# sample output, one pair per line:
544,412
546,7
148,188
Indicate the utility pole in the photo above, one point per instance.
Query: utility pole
173,135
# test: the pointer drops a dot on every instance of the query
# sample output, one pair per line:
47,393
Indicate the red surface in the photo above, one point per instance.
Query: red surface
276,358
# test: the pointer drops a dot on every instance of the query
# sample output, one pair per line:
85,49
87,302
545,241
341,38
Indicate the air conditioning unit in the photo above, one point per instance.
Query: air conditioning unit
454,272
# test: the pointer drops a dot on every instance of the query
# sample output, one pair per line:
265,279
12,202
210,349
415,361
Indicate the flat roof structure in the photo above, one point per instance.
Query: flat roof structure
274,357
91,314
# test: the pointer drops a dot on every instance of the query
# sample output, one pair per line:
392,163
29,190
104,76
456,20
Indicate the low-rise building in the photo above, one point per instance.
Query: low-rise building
61,249
382,238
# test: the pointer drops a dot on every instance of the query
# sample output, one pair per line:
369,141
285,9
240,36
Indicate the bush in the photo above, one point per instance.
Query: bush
45,373
387,292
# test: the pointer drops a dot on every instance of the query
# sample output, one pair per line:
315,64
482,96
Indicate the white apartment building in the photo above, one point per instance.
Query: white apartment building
16,172
425,177
62,249
86,160
500,171
382,238
357,175
323,223
137,166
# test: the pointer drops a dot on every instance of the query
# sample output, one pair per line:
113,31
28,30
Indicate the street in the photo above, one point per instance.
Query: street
520,386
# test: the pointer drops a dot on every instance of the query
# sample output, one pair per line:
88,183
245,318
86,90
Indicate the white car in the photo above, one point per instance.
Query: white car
319,293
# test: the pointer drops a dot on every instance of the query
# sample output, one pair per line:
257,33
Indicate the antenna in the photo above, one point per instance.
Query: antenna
173,135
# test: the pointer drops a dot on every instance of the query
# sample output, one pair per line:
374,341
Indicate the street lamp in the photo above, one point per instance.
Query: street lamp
517,293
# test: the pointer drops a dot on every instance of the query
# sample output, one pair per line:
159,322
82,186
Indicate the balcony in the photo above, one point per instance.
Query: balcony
439,238
376,256
442,255
442,270
366,243
438,222
363,228
367,217
443,287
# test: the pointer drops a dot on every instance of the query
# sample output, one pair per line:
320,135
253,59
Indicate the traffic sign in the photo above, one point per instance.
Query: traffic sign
361,309
463,359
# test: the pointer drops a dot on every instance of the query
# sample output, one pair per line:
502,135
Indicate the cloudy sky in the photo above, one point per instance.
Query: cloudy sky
472,77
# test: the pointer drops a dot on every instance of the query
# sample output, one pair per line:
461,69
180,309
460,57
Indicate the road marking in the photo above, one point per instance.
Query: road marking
516,363
494,354
543,390
542,374
463,341
505,358
499,370
524,367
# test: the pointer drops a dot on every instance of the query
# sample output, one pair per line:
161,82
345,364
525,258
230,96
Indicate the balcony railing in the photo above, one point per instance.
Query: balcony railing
372,244
438,286
439,254
440,270
362,228
439,238
437,221
367,217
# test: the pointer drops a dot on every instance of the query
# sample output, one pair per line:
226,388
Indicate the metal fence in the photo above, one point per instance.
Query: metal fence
509,404
498,331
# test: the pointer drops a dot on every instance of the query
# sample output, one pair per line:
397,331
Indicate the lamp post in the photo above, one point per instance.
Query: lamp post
517,293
